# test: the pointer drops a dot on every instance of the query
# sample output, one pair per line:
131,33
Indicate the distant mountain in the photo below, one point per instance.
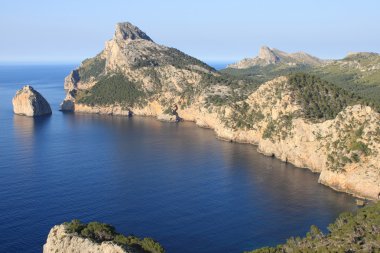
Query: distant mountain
269,56
357,72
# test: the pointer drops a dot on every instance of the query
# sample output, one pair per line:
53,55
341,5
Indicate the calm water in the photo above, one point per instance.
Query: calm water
174,182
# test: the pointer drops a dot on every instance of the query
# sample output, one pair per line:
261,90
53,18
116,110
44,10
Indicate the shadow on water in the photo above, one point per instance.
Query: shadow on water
31,125
29,131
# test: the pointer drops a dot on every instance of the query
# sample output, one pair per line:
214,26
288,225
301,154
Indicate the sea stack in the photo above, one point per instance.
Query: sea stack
30,102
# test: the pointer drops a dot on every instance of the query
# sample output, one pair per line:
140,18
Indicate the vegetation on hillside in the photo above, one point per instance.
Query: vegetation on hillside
111,89
179,59
101,232
357,73
92,67
280,128
351,232
261,74
319,99
170,56
354,141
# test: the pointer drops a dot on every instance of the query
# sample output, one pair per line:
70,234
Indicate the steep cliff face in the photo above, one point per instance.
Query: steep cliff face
59,241
30,102
344,150
310,125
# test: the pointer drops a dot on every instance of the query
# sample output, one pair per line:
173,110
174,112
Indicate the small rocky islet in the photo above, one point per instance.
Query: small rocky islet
29,102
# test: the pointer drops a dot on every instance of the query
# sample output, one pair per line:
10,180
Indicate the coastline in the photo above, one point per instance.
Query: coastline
337,181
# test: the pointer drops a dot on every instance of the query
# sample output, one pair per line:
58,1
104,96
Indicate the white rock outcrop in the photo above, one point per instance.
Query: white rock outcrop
59,241
30,102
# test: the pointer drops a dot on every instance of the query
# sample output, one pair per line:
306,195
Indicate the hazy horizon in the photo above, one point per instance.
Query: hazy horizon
215,31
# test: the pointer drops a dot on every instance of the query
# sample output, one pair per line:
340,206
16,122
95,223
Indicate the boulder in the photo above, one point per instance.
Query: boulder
30,102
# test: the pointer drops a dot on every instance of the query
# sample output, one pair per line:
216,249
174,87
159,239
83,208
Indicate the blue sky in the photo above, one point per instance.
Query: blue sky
71,30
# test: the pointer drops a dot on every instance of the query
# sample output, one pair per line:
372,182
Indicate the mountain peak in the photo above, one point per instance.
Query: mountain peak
127,31
268,55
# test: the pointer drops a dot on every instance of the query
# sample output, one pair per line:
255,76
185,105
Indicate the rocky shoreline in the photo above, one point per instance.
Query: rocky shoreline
356,183
301,120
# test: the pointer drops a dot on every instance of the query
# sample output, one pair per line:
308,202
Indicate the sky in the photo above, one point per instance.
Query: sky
68,31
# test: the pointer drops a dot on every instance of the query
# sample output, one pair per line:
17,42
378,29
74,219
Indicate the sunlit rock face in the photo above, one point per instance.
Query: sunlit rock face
30,102
59,241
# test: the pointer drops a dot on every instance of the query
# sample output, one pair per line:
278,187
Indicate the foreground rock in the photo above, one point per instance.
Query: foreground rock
95,237
59,241
30,102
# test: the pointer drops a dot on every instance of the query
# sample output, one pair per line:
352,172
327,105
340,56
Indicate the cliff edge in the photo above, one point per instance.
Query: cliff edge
95,237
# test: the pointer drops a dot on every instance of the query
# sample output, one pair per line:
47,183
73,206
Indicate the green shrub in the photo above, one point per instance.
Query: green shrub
100,232
75,226
320,99
351,232
111,89
92,67
360,146
269,130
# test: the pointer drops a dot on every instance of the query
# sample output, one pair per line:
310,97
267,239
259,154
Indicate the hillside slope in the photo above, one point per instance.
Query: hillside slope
357,72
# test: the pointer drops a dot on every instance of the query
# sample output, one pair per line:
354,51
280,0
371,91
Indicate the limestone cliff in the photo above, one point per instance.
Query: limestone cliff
59,241
30,102
139,77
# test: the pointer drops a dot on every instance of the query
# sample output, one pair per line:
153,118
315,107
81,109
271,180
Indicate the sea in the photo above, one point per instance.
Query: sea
174,182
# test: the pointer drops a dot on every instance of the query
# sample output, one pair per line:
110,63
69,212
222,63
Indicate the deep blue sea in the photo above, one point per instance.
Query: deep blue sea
174,182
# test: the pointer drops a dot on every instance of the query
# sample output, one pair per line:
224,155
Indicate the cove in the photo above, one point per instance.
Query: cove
176,183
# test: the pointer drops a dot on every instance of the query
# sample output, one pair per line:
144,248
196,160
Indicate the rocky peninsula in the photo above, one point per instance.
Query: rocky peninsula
299,118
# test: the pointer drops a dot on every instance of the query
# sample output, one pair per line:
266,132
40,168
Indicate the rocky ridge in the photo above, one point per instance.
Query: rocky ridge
30,102
269,56
343,149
